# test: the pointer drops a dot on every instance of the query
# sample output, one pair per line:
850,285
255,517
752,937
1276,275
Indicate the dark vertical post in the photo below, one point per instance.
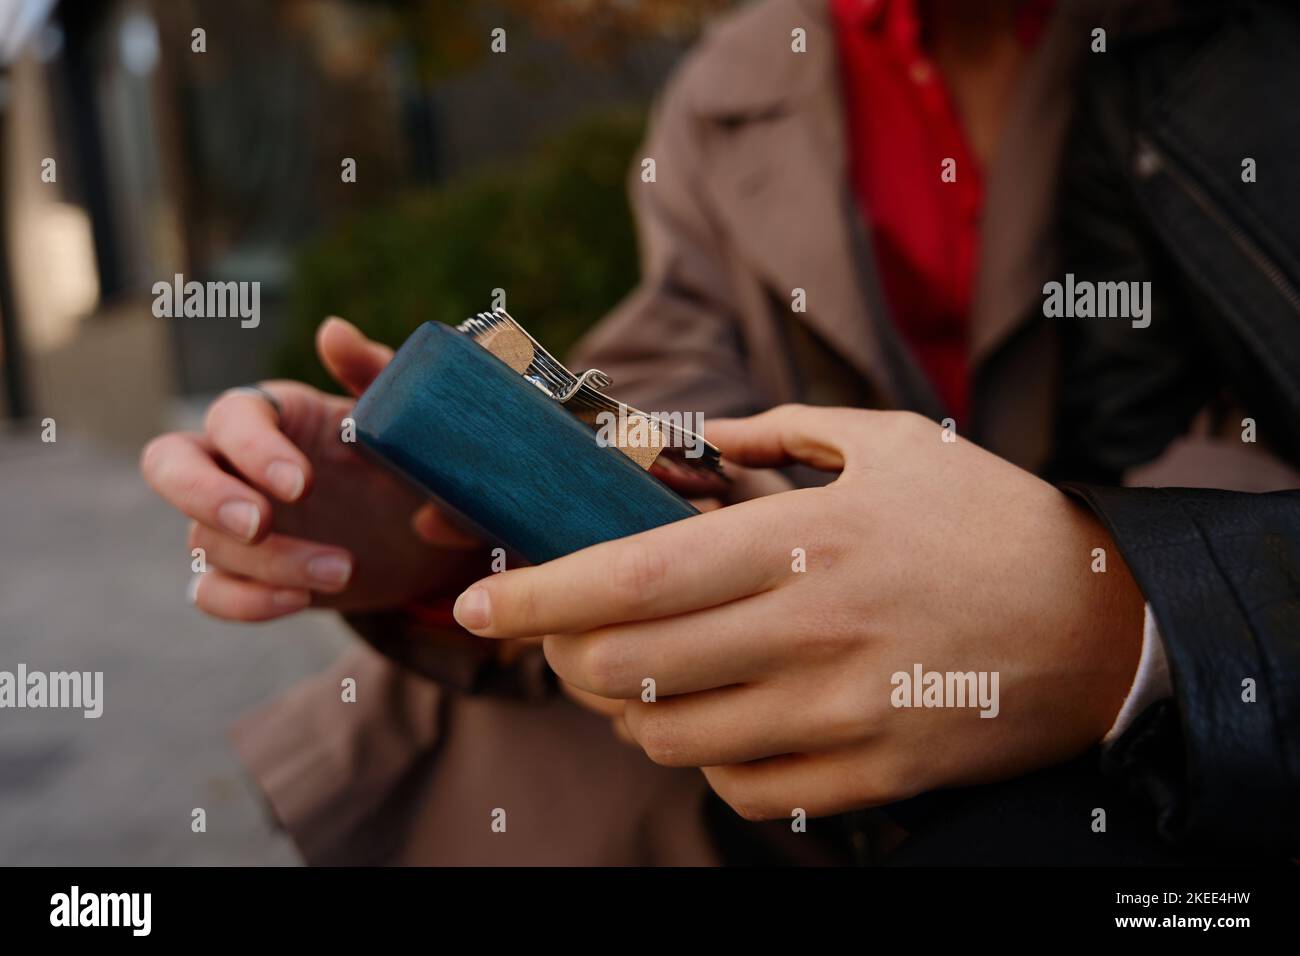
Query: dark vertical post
81,23
15,373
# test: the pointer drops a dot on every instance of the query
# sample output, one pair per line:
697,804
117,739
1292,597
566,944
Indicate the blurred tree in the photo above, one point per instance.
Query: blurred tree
553,231
448,35
606,27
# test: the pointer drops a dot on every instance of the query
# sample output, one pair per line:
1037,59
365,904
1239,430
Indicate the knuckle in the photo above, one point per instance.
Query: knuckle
917,423
822,637
738,789
193,492
218,411
227,600
873,712
787,414
637,573
888,780
224,611
908,424
523,611
826,542
749,807
243,443
516,605
657,736
249,607
247,445
558,649
603,666
286,389
849,718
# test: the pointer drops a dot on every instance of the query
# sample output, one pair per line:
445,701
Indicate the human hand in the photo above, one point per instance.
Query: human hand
782,684
289,515
745,484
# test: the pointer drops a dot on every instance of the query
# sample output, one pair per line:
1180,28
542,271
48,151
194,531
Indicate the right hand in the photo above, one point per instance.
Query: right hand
746,484
289,515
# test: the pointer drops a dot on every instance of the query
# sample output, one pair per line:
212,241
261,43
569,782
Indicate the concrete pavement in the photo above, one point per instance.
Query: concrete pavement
93,572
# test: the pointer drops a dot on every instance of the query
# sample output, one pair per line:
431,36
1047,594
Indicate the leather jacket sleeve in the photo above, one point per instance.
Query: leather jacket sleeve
1221,570
1222,573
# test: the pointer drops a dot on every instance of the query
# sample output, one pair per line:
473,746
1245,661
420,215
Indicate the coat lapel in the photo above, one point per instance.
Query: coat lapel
777,173
775,130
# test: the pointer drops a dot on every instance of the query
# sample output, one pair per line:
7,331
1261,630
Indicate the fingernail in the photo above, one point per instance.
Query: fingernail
330,570
290,598
286,478
192,589
240,518
473,610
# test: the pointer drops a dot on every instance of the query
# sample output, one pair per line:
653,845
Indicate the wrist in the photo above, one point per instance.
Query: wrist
1113,622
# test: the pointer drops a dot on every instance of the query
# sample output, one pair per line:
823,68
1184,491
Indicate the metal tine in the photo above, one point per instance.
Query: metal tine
590,398
572,389
579,387
545,363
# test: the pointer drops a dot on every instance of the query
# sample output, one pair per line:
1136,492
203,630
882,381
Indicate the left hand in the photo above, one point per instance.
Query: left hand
780,682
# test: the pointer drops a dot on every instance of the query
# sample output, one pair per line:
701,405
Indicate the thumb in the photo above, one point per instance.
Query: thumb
351,358
786,435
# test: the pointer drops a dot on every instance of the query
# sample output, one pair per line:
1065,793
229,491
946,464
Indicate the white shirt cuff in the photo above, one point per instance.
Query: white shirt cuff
1150,684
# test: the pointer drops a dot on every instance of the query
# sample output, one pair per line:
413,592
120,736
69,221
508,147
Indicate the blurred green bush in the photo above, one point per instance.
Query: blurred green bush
552,229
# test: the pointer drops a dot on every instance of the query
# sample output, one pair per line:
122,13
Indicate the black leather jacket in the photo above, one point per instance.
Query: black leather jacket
1154,191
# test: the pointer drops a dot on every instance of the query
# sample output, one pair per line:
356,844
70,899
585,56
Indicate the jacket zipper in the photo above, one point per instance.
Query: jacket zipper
1150,159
